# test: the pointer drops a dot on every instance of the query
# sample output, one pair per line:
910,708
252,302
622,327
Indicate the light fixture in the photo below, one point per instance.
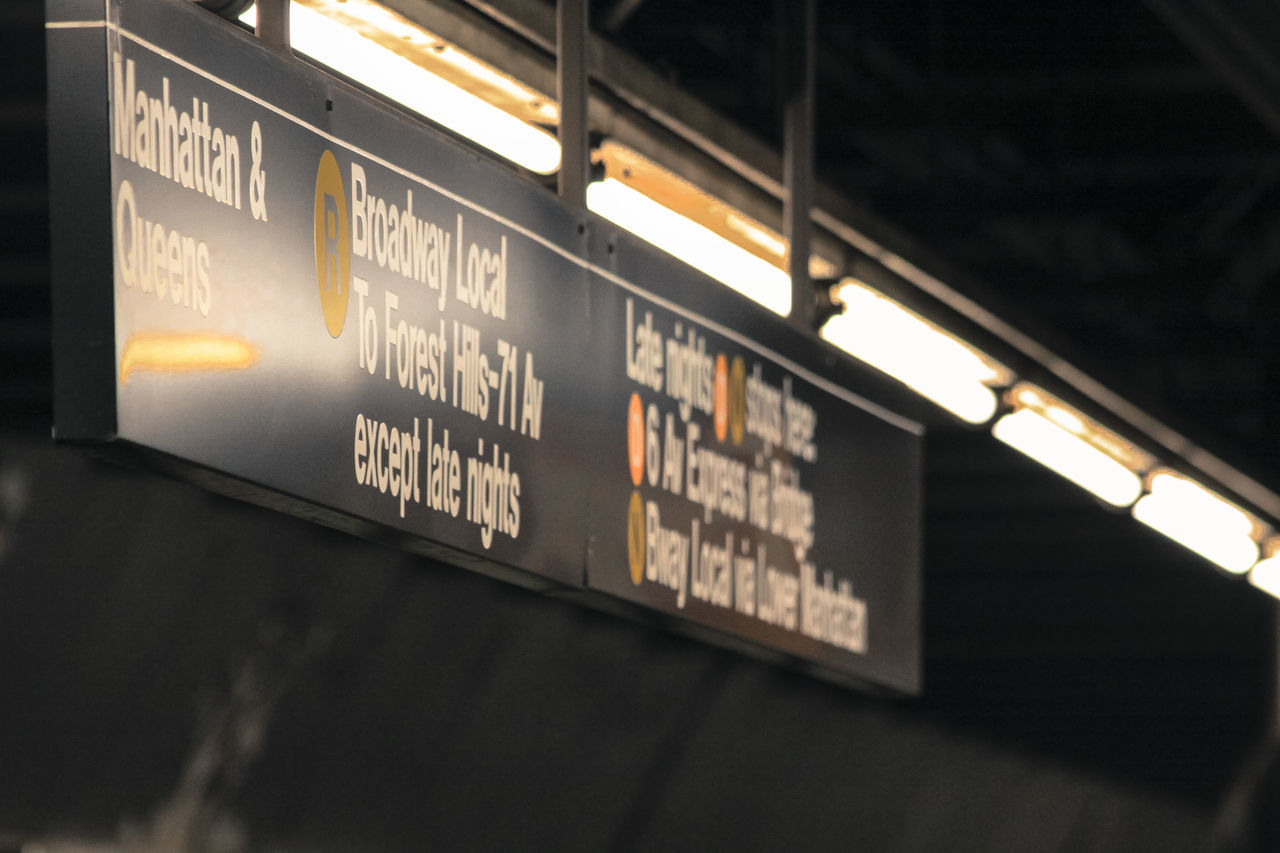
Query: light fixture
1067,442
1200,520
391,55
695,226
1266,574
926,358
692,243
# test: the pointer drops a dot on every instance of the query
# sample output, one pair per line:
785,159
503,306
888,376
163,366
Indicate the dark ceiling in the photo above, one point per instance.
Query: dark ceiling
1109,175
1115,196
1114,193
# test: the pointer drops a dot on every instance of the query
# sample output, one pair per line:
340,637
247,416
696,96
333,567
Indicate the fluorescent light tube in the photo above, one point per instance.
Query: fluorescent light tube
1069,455
1200,520
1067,442
927,359
695,244
1266,575
345,50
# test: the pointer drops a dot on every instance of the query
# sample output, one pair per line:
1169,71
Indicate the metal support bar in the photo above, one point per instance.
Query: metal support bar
572,30
797,25
273,24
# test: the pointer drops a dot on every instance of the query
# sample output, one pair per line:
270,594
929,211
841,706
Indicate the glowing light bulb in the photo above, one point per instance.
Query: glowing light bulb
924,357
1067,453
1197,519
411,85
695,244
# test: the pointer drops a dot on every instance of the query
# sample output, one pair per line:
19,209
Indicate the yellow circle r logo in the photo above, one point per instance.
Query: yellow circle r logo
333,244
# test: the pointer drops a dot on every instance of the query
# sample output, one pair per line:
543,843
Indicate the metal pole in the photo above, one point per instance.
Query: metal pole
571,90
273,24
797,22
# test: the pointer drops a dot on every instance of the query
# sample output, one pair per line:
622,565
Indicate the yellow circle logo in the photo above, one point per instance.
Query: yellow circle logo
737,398
635,538
333,244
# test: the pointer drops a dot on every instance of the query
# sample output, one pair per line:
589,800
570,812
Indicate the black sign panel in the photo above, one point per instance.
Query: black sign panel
304,297
314,294
745,493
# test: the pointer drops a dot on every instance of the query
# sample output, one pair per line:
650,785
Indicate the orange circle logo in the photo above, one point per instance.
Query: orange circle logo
333,244
635,439
721,391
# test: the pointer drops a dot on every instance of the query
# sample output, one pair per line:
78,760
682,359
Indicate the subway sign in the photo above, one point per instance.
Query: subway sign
275,284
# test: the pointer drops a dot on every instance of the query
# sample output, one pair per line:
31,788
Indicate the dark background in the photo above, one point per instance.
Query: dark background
180,671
